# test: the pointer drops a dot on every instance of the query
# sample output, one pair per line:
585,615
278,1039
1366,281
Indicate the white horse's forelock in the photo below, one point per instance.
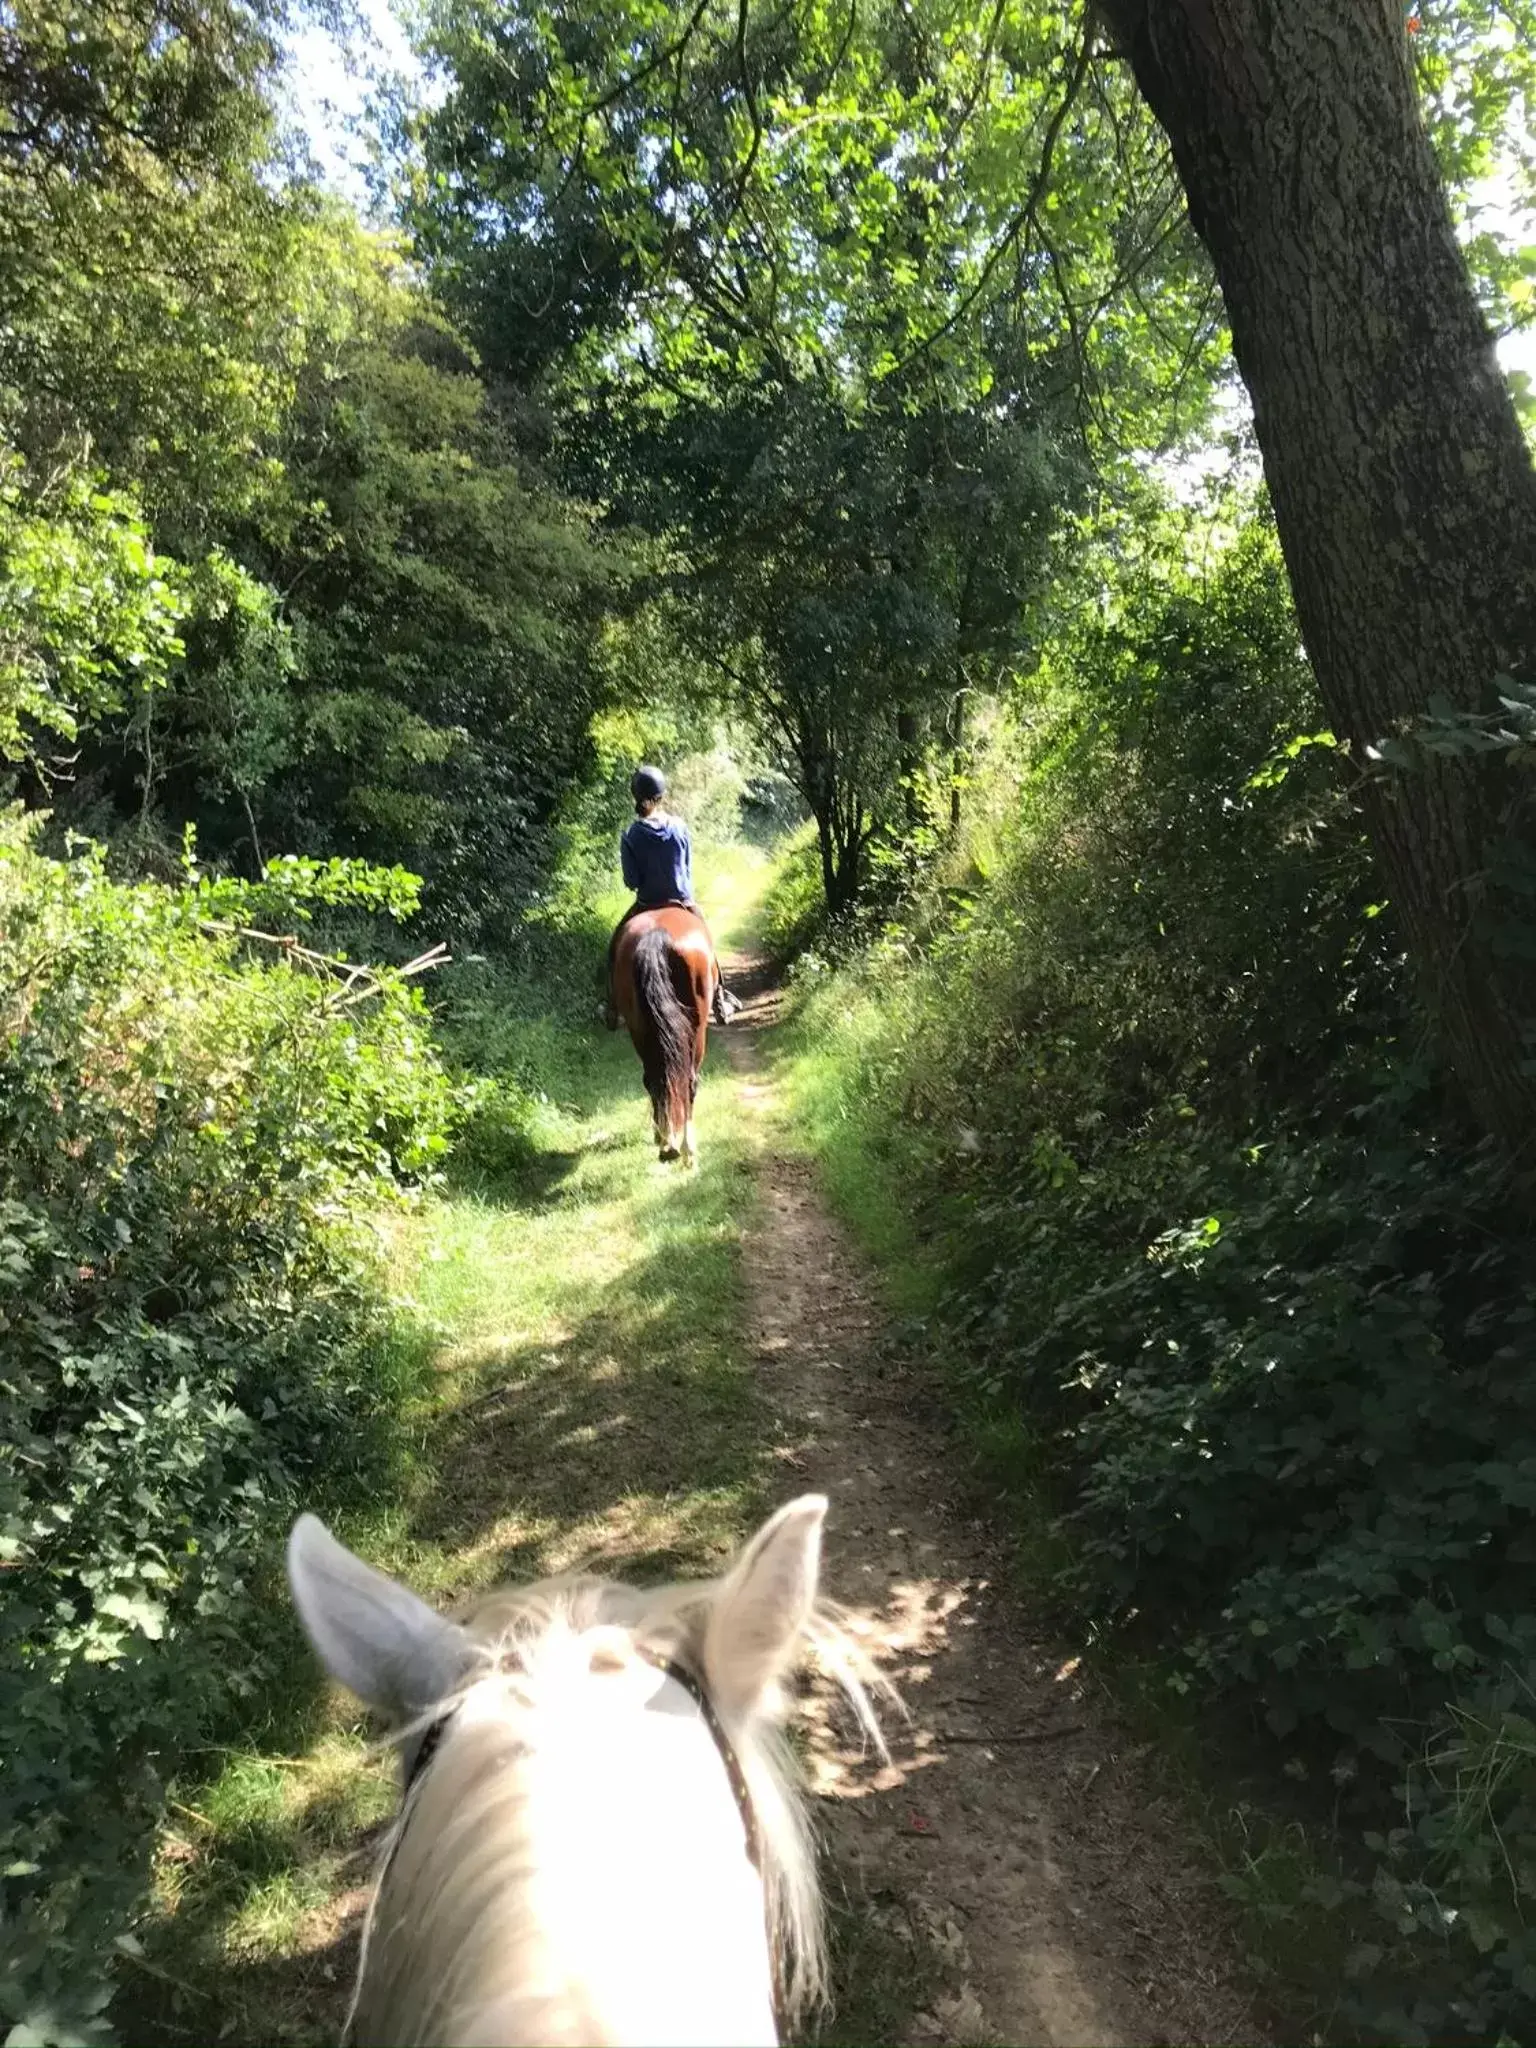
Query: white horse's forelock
456,1941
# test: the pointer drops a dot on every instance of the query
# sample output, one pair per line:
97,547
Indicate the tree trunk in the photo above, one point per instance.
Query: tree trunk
848,866
842,850
847,881
1403,489
909,754
956,739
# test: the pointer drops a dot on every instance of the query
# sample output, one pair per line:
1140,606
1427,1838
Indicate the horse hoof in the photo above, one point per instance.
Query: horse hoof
668,1154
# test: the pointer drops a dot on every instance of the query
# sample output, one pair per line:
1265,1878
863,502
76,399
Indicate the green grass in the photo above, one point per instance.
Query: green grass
794,909
828,1062
887,1966
590,1399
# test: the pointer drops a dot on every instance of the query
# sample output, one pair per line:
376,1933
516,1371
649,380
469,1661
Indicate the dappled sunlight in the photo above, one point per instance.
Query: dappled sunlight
265,1880
901,1637
477,1565
479,1353
698,1525
1022,520
595,1406
639,1529
601,1408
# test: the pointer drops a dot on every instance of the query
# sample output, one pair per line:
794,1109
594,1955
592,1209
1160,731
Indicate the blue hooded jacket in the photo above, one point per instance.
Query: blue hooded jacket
657,858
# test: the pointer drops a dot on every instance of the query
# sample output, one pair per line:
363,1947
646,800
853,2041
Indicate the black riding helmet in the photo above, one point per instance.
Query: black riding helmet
647,785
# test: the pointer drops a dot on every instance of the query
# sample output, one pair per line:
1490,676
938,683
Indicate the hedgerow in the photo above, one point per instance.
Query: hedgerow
196,1130
1239,1299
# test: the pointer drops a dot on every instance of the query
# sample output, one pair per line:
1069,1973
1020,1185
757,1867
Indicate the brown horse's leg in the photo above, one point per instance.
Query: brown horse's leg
721,1003
611,1006
702,998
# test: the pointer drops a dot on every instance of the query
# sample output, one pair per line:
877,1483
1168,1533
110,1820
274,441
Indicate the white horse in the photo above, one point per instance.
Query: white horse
601,1839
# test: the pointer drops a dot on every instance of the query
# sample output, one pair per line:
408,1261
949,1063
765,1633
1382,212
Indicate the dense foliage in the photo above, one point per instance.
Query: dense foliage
834,382
275,559
279,565
192,1137
1229,1279
423,692
855,574
840,301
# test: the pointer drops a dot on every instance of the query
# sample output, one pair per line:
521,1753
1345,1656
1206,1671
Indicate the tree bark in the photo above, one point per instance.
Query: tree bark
956,738
826,840
839,842
909,755
1403,489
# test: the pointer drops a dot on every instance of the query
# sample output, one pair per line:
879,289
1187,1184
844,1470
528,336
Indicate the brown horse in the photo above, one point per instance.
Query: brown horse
664,978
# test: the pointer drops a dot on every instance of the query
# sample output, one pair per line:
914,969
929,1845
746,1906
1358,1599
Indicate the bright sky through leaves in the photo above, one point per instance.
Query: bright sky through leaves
329,82
332,76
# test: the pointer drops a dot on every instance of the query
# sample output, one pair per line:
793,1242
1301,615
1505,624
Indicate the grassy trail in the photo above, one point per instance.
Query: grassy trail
589,1399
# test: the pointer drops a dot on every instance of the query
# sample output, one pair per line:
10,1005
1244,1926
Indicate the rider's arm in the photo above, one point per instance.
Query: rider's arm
628,862
685,856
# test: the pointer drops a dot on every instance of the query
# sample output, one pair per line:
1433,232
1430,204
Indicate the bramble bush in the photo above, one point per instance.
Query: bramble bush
1238,1296
195,1131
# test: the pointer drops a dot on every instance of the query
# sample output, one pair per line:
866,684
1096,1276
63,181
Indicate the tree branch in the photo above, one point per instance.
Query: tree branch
650,67
1025,217
359,981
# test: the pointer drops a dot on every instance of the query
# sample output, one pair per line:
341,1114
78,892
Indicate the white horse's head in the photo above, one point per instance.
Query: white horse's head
601,1838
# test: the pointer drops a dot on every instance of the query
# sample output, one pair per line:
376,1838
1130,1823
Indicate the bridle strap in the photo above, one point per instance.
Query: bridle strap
682,1676
694,1688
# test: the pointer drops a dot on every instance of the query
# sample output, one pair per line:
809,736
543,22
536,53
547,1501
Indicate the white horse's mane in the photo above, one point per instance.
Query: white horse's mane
461,1838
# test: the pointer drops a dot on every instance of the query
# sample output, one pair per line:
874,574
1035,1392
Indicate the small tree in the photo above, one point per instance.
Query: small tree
875,563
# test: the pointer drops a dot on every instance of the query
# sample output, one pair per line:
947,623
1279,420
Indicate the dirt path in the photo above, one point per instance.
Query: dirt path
1014,1852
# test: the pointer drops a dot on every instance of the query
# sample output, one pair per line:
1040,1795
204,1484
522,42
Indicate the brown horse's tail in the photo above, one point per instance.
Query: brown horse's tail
668,1052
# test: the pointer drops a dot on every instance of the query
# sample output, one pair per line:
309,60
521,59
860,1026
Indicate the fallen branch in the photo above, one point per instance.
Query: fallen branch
359,981
435,956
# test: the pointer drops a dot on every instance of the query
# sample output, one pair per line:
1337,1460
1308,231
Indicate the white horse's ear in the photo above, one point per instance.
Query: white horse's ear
378,1639
763,1605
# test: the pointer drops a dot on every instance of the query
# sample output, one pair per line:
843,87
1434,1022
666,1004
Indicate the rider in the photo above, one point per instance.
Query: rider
656,856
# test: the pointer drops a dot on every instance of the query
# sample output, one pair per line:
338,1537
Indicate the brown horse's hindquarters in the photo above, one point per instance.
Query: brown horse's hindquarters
682,922
692,960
